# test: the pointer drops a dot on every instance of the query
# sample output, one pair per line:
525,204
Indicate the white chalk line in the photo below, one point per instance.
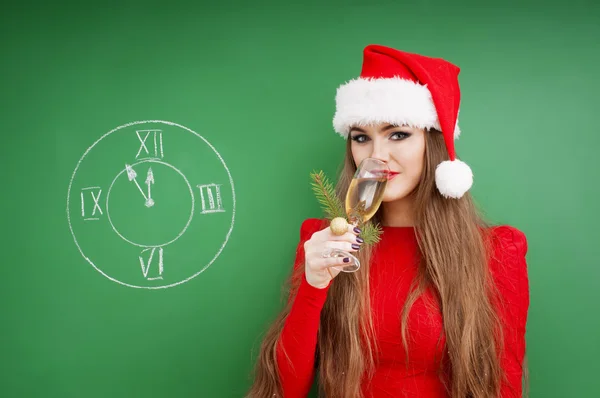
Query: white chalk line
96,205
154,244
160,262
232,211
95,201
149,181
139,188
143,143
148,158
145,267
211,199
162,154
155,146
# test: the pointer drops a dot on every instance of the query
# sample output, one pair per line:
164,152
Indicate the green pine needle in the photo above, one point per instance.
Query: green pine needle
325,193
333,207
370,233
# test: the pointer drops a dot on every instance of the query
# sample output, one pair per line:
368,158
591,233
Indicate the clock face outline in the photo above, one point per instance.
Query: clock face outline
124,171
73,199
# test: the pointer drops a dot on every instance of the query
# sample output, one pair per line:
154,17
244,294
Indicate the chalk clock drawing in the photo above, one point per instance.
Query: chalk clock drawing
151,204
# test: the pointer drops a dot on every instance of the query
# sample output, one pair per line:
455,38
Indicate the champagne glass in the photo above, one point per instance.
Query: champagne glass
363,199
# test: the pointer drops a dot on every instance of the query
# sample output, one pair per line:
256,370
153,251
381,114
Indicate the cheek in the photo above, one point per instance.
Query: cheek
414,167
403,184
412,158
359,153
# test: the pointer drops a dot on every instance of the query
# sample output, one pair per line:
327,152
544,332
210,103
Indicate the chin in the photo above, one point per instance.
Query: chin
394,195
398,191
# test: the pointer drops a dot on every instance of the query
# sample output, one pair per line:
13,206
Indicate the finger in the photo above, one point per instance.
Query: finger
348,237
353,228
346,246
316,250
330,273
335,269
321,263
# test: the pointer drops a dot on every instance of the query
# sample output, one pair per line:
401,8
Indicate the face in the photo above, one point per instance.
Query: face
401,147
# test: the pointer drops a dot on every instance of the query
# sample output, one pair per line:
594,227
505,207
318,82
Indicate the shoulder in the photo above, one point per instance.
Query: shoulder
508,241
508,264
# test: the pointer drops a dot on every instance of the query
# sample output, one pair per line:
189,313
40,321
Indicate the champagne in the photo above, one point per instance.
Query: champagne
364,197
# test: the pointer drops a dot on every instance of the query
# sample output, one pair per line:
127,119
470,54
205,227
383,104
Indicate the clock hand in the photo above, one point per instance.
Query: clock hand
149,181
131,174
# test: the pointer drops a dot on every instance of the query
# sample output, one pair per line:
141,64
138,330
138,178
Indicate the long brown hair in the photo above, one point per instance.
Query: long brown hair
455,252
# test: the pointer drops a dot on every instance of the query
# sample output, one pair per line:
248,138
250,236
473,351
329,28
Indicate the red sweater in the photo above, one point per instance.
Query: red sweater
393,267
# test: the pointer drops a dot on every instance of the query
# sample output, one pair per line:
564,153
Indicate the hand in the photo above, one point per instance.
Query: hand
317,268
149,181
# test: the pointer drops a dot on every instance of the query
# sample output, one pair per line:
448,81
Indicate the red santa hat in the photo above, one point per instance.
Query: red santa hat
407,89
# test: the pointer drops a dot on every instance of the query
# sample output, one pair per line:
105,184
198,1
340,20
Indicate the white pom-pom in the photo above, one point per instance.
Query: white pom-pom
453,178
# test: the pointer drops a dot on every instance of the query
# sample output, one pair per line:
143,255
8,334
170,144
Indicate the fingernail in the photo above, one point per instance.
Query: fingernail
355,246
357,230
346,260
359,240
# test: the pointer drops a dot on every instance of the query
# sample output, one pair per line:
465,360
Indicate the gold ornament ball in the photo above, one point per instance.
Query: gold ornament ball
339,226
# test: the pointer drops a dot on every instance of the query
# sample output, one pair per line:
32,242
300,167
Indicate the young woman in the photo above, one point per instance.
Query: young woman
439,306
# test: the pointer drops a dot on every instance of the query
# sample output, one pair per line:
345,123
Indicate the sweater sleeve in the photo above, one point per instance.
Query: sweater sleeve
297,344
509,269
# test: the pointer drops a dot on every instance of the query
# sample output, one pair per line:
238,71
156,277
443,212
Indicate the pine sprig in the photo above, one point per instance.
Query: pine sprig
325,193
333,207
370,232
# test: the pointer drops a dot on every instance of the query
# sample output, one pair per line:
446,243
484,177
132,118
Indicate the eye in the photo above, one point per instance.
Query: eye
399,136
360,138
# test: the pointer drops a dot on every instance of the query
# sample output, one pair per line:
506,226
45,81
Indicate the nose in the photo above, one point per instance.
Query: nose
380,150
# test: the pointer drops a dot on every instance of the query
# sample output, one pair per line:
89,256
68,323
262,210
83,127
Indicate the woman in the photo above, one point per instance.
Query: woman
439,305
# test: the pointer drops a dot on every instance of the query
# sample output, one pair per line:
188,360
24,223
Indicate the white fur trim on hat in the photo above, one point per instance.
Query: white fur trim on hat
453,178
399,101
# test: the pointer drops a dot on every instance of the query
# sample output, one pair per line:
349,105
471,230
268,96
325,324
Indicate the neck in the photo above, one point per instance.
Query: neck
398,213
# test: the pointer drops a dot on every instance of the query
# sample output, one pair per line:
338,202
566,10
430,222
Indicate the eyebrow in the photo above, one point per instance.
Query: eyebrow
389,126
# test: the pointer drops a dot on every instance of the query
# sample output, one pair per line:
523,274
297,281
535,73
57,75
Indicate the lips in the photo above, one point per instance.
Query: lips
390,174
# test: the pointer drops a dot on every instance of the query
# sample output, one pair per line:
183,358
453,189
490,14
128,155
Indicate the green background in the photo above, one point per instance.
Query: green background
258,81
